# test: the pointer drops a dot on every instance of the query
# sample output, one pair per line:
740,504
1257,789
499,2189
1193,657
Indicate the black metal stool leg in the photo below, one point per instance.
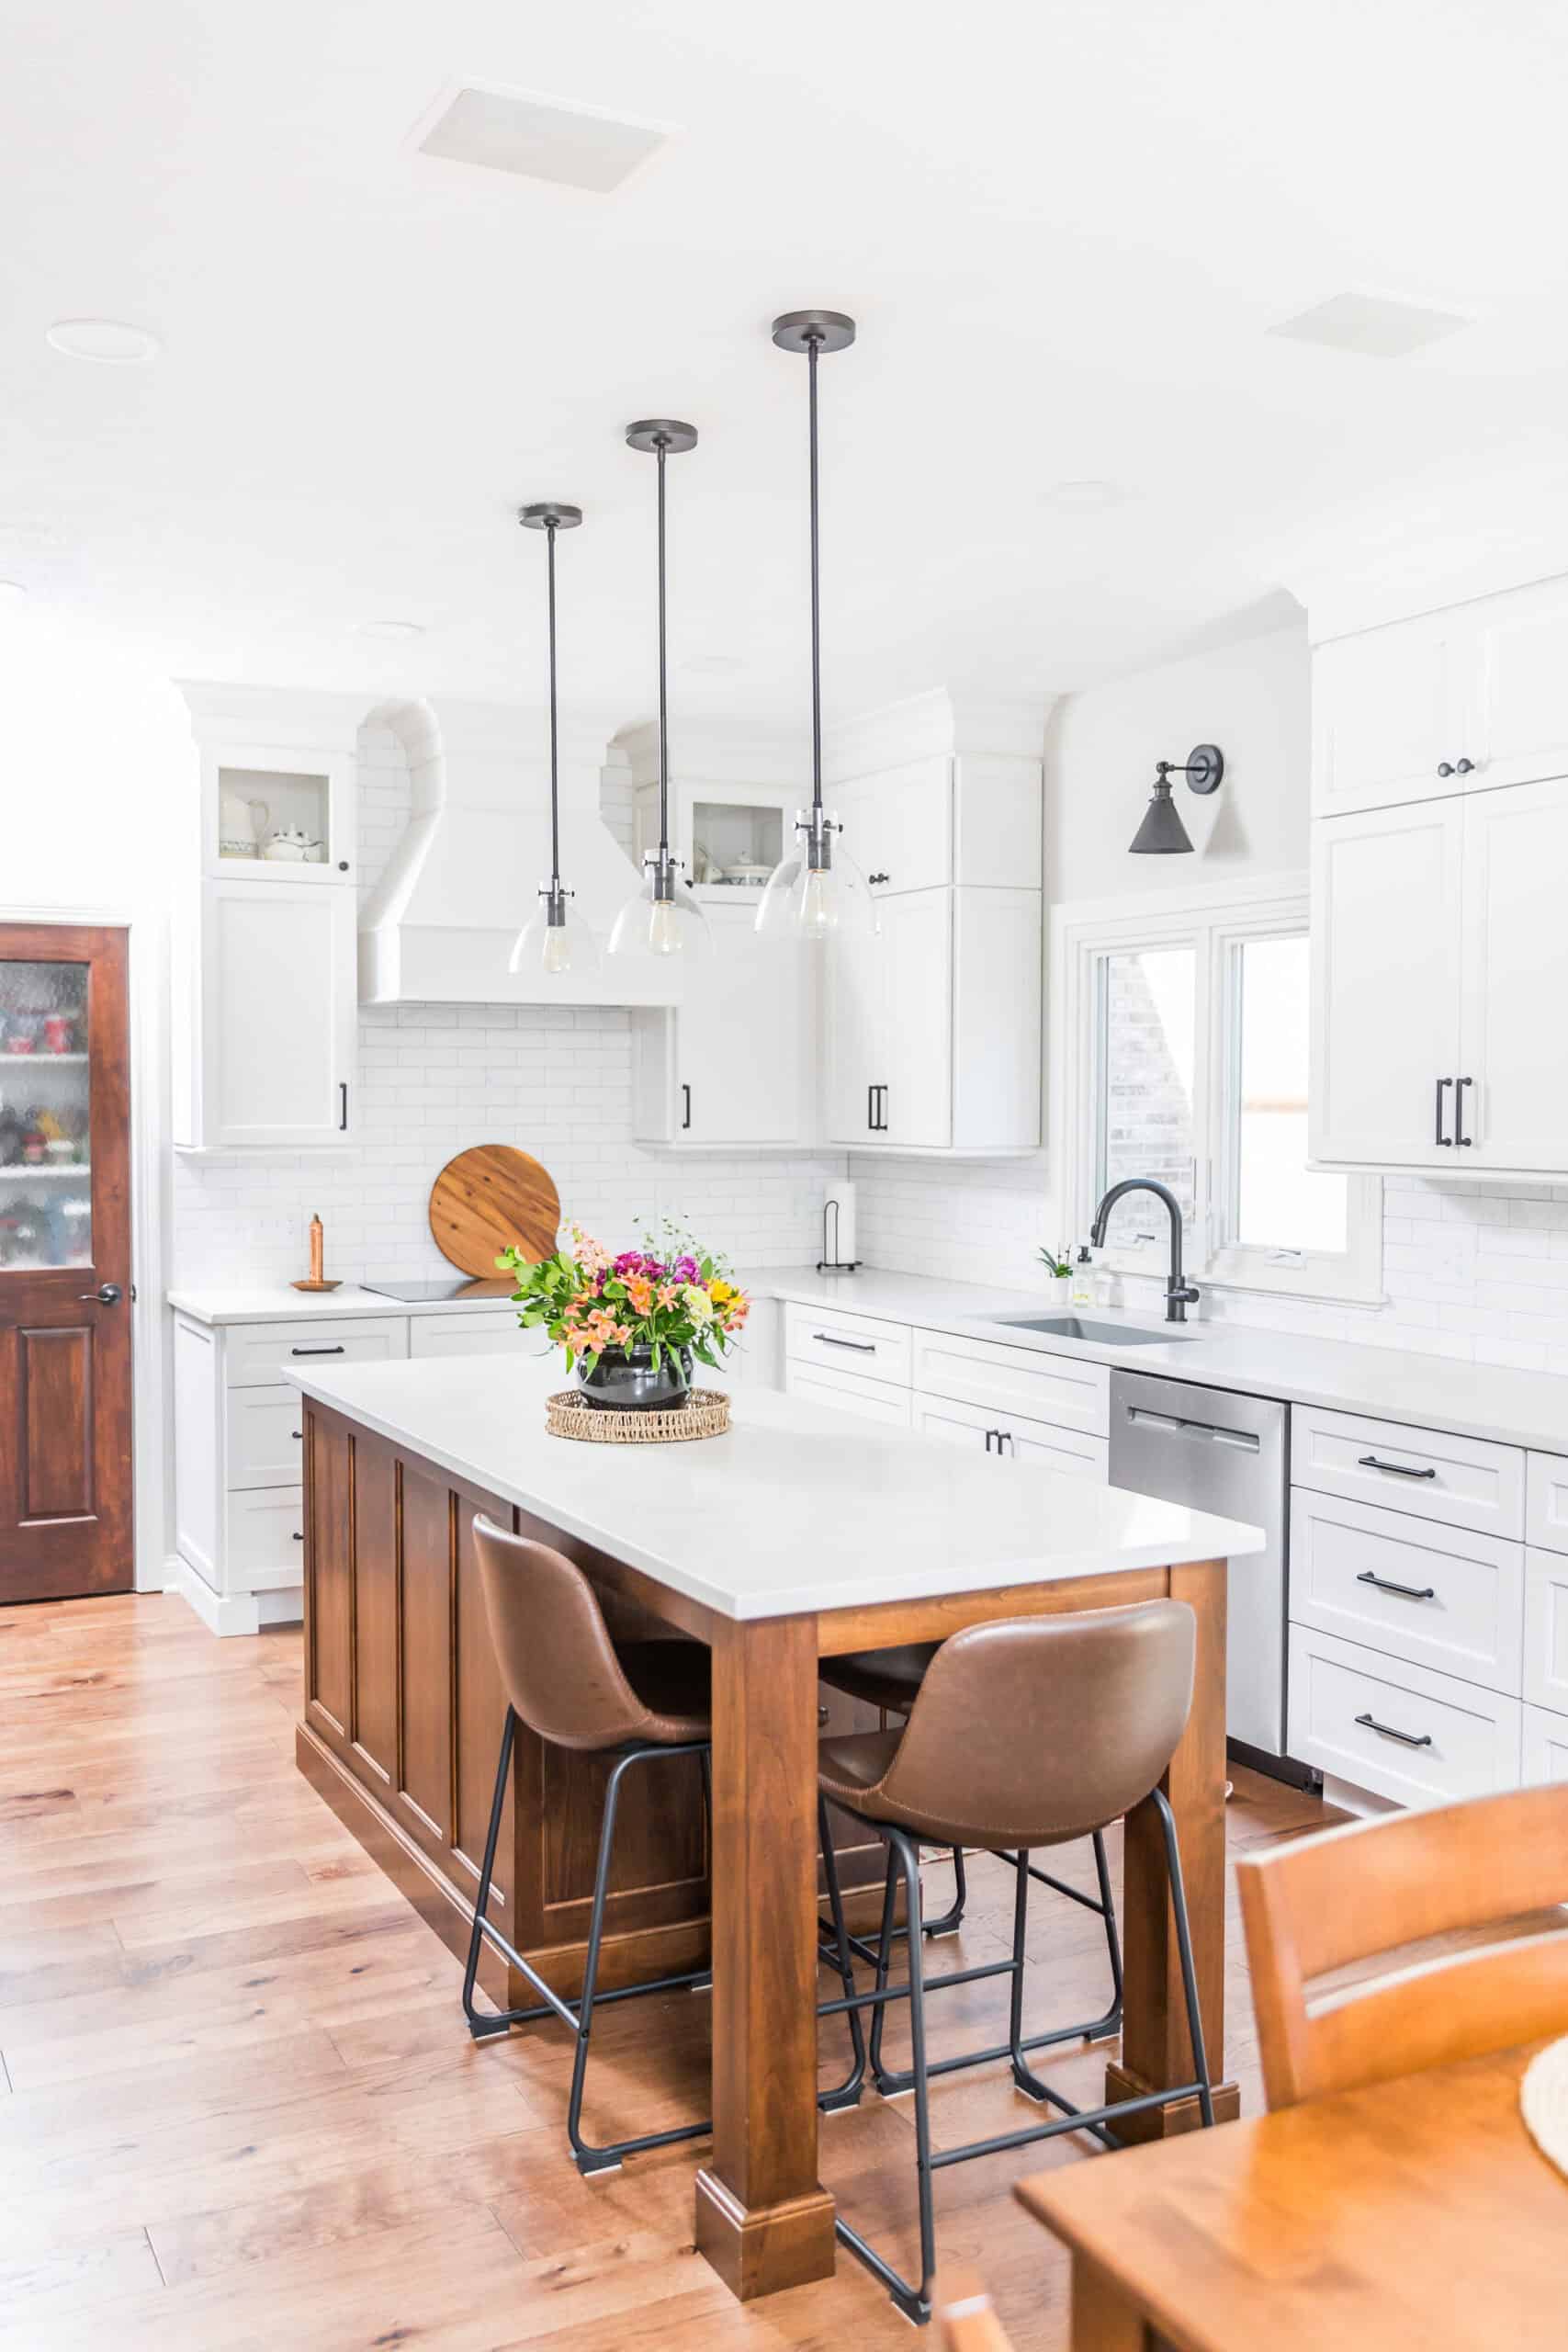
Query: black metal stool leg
887,2082
483,2023
1110,2023
953,1918
847,2093
1184,1952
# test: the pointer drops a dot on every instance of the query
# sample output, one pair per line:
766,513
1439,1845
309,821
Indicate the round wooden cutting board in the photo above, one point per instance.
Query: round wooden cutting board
492,1198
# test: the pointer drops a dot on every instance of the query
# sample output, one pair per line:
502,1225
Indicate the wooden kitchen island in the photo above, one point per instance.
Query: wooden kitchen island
793,1537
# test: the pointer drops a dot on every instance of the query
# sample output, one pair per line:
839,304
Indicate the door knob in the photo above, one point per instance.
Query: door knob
1465,767
1445,767
106,1294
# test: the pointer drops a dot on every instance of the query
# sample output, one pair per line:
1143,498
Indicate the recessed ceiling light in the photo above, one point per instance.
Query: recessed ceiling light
1371,326
391,628
1084,497
12,591
536,139
109,342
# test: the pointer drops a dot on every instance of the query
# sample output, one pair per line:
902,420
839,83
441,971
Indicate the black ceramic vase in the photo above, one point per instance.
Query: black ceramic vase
624,1380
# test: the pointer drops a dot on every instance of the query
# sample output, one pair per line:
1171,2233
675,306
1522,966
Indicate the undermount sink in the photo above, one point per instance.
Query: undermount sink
1105,1335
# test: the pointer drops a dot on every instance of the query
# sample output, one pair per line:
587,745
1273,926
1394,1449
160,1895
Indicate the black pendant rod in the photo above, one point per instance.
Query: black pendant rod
550,529
663,451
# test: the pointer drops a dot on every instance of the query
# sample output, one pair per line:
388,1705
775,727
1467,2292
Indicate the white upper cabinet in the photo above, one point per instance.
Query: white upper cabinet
1514,967
898,824
1455,702
1385,925
732,1064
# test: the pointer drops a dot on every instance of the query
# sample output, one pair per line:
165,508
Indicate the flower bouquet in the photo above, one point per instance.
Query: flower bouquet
632,1324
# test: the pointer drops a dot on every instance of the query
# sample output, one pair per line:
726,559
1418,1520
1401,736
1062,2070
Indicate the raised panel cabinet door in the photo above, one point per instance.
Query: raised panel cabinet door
279,1017
898,824
1384,716
1513,1047
65,1357
1517,655
998,993
853,979
917,1078
1385,987
740,1039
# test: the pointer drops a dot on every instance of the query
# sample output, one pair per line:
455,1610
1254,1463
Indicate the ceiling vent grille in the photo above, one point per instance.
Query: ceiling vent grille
536,139
1371,326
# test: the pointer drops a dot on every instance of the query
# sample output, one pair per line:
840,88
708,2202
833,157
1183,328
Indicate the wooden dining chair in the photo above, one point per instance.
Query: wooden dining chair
965,2316
1326,1904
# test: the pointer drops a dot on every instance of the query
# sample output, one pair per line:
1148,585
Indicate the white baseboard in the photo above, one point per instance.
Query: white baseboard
235,1613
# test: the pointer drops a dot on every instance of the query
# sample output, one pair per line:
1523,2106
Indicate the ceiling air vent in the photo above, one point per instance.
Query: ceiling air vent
536,139
1370,325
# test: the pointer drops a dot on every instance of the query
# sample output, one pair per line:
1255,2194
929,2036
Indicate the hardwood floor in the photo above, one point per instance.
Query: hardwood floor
238,2107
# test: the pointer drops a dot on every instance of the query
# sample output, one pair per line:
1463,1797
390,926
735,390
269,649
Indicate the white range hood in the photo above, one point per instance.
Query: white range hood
439,926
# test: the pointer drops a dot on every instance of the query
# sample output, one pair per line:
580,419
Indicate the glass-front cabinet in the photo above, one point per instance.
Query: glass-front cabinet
730,837
46,1202
278,816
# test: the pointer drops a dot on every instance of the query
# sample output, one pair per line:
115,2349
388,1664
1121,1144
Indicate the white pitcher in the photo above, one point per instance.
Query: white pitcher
241,823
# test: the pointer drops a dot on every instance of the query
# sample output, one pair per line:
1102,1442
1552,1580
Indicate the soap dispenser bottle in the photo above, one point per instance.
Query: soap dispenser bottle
1083,1278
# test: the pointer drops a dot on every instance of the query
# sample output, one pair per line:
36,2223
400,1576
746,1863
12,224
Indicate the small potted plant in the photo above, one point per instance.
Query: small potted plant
1058,1268
633,1325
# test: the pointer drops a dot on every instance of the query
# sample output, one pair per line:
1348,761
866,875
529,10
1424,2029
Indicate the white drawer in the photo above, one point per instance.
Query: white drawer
1463,1741
1545,1747
849,1392
266,1437
471,1331
1437,1596
1069,1392
839,1342
257,1354
265,1538
1546,1502
1012,1436
1464,1481
1546,1629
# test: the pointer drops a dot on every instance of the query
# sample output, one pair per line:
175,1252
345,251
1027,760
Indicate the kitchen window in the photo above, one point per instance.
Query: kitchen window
1182,1053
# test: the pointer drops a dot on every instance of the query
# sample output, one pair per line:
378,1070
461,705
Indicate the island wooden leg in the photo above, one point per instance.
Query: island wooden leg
762,2218
1103,2320
1154,2044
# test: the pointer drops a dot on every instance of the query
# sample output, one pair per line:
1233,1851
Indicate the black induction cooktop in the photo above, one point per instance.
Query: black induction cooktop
443,1293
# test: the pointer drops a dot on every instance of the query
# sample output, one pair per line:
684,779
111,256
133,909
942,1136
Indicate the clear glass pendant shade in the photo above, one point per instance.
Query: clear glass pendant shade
555,940
820,900
661,920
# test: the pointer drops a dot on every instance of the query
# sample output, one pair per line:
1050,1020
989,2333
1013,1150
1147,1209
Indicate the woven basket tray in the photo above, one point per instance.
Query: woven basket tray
1543,2099
706,1414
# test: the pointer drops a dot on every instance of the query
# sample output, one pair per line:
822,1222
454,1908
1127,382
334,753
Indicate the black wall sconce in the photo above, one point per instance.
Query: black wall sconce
1162,832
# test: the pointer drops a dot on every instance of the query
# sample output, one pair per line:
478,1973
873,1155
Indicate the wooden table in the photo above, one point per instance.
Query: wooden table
403,1708
1415,2217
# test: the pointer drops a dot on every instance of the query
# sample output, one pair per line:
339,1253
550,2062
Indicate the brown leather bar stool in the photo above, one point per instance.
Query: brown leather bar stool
1029,1733
567,1680
891,1679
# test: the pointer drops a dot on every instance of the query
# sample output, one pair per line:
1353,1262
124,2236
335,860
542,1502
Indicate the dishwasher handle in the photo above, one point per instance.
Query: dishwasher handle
1173,1425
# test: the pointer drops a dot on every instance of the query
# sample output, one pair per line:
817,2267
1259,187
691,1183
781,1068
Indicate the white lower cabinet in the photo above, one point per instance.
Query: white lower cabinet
472,1331
1435,1596
1011,1437
849,1392
1395,1728
1068,1392
843,1342
1546,1629
1545,1747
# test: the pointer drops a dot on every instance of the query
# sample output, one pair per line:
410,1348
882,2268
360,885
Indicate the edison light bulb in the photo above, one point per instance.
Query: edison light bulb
663,928
557,949
817,915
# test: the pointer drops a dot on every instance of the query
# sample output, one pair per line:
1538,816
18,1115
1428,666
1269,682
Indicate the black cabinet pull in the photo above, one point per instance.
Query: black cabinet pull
1445,767
875,878
860,1347
1463,1140
1005,1442
686,1106
298,1433
871,1110
1465,767
878,1120
1446,1141
316,1351
1406,1591
343,1106
298,1537
1406,1738
1394,1469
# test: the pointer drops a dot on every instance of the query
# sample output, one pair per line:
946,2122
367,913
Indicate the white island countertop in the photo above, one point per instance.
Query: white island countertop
792,1511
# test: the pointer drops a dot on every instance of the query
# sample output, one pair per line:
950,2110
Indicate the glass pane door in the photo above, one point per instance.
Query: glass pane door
46,1206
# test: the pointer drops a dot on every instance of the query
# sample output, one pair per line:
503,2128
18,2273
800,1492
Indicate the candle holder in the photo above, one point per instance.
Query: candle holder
314,1281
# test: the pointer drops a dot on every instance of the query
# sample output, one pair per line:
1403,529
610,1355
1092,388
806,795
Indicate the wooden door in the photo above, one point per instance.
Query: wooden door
1385,1012
1384,716
65,1398
1514,1049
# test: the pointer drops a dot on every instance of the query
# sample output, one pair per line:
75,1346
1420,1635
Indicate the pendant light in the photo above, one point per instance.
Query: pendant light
662,918
555,939
816,891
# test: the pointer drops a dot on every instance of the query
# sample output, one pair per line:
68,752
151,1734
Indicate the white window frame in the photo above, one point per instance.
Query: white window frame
1216,922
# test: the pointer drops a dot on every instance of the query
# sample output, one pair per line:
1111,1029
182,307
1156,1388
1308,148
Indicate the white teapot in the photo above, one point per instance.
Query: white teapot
292,844
240,823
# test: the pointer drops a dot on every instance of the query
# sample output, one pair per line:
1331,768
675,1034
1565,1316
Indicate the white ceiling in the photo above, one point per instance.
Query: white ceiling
1064,228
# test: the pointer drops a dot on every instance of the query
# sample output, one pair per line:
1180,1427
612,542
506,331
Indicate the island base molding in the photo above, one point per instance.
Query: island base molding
764,2250
1164,2122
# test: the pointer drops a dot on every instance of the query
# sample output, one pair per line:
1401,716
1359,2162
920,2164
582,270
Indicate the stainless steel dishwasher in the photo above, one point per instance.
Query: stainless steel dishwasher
1219,1451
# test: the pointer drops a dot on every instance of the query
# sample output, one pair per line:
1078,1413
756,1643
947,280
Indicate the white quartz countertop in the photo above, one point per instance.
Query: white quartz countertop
1527,1408
793,1510
283,1303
